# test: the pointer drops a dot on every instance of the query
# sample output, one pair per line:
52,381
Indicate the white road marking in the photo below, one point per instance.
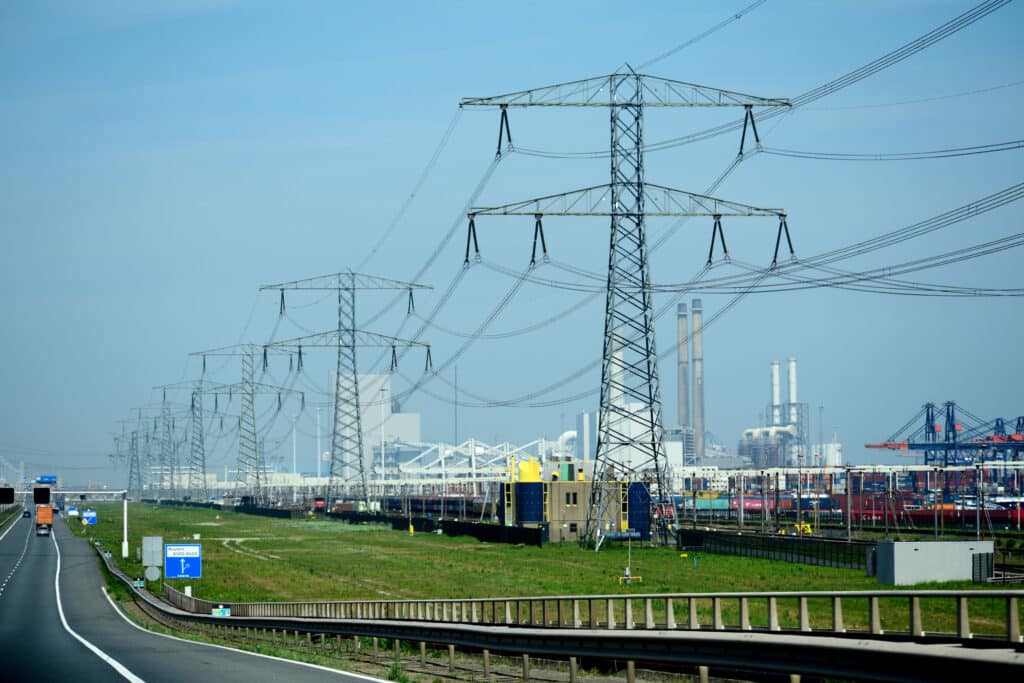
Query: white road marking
116,665
16,564
245,652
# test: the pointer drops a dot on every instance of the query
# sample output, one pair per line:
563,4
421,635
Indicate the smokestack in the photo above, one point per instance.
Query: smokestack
698,379
776,395
684,366
791,363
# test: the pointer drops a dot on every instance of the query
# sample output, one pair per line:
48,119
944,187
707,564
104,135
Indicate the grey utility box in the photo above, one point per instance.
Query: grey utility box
904,563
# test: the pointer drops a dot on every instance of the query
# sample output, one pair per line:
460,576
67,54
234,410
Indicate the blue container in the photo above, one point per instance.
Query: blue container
529,503
640,510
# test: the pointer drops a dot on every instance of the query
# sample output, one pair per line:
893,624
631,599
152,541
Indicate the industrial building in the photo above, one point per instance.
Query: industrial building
784,440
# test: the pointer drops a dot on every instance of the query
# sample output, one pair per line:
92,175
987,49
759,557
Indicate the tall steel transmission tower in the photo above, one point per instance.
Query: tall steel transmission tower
629,442
195,468
348,467
249,468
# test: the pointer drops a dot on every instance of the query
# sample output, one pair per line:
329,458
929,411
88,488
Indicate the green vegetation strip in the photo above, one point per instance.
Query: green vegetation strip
248,558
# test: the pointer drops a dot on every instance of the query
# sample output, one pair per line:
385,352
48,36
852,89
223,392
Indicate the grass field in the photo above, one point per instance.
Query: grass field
248,558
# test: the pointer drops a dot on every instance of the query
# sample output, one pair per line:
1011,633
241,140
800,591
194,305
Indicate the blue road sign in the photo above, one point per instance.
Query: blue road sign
89,516
183,560
46,479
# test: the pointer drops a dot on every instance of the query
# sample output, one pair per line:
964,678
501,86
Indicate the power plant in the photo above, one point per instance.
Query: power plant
784,440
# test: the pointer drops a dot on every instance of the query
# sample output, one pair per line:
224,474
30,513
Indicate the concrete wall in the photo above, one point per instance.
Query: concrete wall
904,563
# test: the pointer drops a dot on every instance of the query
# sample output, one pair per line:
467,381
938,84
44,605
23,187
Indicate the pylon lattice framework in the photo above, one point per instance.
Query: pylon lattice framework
629,443
348,468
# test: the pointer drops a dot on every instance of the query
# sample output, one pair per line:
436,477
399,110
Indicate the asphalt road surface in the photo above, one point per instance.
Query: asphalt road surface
51,587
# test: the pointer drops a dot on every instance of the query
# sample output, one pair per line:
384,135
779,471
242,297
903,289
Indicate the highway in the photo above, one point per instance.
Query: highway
57,624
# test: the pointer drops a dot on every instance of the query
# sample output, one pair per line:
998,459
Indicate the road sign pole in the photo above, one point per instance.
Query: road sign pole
124,536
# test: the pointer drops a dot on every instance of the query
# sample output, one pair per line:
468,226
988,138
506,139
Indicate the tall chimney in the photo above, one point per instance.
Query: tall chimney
776,395
698,378
792,389
684,366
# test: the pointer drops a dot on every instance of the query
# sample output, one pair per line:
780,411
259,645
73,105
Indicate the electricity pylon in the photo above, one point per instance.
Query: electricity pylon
347,459
629,442
196,467
249,465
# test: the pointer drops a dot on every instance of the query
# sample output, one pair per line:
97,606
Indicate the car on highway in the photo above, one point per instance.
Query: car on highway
26,513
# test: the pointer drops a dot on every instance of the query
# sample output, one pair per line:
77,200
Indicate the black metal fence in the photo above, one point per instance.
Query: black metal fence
817,551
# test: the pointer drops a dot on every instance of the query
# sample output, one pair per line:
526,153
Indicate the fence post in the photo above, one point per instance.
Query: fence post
630,671
576,621
693,624
610,610
648,613
703,674
629,613
423,653
744,614
773,614
837,615
572,670
876,617
526,667
451,658
487,665
670,614
915,617
1012,621
963,622
805,618
716,605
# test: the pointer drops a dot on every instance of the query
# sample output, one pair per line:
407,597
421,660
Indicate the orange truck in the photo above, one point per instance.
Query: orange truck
44,520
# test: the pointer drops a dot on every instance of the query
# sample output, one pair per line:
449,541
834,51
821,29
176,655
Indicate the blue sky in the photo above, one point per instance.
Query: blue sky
160,161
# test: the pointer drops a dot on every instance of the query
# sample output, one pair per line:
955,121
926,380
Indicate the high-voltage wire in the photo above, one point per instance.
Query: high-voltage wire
415,190
704,34
921,100
898,156
896,56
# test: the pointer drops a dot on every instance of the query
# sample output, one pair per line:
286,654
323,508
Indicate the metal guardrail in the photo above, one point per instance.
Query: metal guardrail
504,626
661,611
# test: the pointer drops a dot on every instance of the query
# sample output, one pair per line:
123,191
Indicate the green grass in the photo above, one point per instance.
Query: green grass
248,558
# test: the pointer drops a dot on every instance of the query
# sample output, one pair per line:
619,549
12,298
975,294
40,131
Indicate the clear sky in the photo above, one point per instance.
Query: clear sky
162,160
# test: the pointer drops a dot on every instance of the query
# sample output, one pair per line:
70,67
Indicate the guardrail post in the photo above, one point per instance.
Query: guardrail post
630,671
693,622
915,617
794,678
451,657
670,614
703,674
773,614
355,644
376,651
744,614
648,613
560,616
805,617
716,608
398,648
423,653
629,614
876,616
576,621
963,622
475,616
610,610
444,612
508,612
1012,621
837,615
591,622
526,667
543,612
572,669
487,665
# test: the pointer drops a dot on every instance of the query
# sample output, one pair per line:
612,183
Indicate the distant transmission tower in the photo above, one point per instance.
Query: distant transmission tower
249,465
348,467
629,442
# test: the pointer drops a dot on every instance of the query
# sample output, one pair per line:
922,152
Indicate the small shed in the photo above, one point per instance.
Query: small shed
901,563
